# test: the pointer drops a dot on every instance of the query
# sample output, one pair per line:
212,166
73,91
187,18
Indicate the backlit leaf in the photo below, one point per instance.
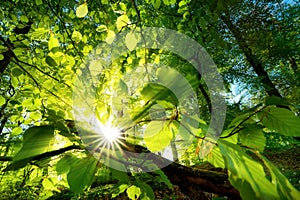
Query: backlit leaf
281,120
122,21
133,192
81,174
39,33
64,164
156,3
153,92
16,131
49,183
24,19
120,190
215,158
110,36
131,41
157,136
82,10
104,2
53,42
166,2
76,36
2,100
14,82
252,136
245,174
101,28
36,140
39,2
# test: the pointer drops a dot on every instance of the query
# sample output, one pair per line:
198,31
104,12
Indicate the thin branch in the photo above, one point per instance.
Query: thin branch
35,67
237,128
39,85
46,154
5,158
138,14
66,29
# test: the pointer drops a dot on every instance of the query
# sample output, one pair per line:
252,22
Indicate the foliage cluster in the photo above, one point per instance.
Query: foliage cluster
44,46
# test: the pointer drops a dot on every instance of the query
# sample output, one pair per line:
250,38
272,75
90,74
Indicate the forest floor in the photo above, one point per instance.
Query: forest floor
288,161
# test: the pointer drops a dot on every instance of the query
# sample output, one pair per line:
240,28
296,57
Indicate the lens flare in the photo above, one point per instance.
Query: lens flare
103,138
109,133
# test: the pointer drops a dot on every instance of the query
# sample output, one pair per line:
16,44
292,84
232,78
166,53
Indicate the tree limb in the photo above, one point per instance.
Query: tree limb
195,179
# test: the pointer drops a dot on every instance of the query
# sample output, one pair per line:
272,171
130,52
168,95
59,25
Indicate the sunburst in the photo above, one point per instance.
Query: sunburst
104,138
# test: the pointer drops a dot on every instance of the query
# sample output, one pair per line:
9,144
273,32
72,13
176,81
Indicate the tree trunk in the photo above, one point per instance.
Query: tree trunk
250,57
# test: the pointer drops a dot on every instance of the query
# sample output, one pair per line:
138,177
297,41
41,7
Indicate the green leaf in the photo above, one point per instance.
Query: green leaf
104,2
284,187
14,82
16,131
280,120
63,165
133,192
120,189
164,178
76,36
28,102
156,4
274,100
153,92
18,51
147,191
16,71
246,117
39,33
39,2
215,158
101,28
50,61
122,87
246,174
119,175
182,3
166,2
36,141
122,21
131,41
81,174
53,42
49,183
157,136
252,136
35,116
110,36
1,56
82,10
24,19
2,100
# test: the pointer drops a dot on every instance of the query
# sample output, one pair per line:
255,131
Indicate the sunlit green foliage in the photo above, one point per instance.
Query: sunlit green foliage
45,44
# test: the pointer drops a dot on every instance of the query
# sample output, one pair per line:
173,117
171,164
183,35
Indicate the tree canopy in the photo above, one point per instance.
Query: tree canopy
135,96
